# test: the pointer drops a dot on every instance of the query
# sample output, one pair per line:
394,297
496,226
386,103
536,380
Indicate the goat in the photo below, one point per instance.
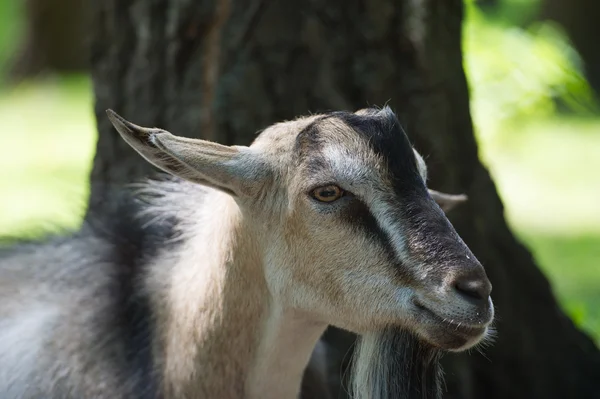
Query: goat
218,282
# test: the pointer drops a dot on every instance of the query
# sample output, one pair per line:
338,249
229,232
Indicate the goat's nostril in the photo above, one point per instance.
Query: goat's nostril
475,289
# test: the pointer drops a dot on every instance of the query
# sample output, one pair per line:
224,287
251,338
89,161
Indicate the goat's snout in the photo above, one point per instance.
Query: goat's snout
458,313
473,289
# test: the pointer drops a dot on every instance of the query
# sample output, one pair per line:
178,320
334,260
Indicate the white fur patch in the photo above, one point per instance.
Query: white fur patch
21,341
389,222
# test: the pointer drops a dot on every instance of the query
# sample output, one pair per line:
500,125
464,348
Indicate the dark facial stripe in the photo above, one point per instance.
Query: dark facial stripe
358,215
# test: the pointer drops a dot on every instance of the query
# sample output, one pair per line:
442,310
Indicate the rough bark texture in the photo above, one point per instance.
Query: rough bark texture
580,19
155,63
224,71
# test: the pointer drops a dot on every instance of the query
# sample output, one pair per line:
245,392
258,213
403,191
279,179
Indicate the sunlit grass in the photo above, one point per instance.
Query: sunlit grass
47,136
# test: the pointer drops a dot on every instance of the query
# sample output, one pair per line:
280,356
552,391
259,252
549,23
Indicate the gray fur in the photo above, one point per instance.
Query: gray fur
66,329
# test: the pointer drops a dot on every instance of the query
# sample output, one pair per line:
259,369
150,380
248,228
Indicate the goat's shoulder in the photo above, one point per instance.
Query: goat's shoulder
82,293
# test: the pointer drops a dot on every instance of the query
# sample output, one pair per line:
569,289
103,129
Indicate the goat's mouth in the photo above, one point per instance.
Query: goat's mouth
449,333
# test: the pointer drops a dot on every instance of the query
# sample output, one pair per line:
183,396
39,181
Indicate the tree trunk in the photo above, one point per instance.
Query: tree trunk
223,71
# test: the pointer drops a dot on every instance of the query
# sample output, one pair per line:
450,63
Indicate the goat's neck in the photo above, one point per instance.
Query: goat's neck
224,335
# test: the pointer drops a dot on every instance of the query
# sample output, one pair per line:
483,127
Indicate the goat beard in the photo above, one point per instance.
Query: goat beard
396,364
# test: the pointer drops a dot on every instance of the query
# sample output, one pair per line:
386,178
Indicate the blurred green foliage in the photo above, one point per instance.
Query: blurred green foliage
516,72
536,121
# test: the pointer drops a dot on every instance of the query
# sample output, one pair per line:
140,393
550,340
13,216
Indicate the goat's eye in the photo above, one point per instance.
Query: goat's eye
328,193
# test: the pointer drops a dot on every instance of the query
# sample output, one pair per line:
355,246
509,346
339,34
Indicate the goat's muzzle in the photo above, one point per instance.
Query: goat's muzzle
457,315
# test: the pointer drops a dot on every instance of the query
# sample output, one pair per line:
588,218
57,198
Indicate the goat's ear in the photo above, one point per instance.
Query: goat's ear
447,201
236,170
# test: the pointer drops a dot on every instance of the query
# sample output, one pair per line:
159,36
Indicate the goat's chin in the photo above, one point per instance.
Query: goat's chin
448,334
445,338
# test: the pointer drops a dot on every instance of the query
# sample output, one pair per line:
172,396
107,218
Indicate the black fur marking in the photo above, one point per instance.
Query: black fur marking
134,242
431,237
357,213
385,135
433,240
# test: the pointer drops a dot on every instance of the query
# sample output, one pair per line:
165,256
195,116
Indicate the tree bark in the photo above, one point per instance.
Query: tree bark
155,63
223,71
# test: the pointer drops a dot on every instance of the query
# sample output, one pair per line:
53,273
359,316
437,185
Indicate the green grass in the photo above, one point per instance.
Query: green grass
47,136
546,172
